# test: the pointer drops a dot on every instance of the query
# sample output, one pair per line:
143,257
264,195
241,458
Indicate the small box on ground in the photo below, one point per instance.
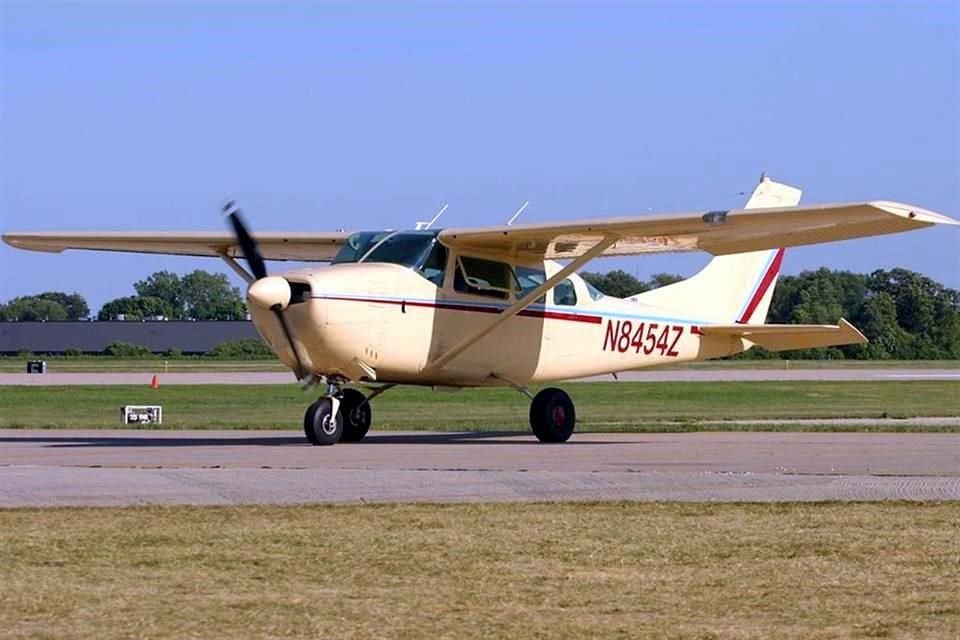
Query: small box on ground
36,366
142,414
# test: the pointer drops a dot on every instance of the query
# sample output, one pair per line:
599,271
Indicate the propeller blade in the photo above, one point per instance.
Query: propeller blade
247,244
259,271
299,371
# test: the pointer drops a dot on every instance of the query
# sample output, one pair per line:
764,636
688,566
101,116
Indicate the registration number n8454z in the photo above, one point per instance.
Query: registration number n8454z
624,335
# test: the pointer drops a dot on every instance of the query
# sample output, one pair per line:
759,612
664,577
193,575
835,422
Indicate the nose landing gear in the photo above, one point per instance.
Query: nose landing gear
343,415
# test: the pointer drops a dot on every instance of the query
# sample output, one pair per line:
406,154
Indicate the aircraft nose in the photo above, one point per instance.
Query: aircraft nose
272,292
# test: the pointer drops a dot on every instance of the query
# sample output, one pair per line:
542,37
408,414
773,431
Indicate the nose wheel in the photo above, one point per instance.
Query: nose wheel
342,416
323,422
552,416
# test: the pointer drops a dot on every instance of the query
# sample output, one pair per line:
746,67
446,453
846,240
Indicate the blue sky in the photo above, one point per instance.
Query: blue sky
319,116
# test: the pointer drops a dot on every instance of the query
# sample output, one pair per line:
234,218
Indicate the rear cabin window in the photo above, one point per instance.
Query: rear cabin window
530,278
484,278
564,294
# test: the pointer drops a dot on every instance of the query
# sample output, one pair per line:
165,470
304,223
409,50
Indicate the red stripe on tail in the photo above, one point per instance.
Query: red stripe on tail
761,291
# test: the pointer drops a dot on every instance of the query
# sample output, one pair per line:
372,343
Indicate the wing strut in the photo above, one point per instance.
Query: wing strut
233,264
521,304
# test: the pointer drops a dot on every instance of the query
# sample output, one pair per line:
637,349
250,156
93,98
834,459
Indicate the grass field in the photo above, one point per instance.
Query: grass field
63,364
612,570
661,406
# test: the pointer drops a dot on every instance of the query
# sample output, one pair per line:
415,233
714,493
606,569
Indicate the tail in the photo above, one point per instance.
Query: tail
734,288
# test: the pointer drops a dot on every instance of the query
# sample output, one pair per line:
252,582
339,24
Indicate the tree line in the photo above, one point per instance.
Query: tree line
199,295
904,314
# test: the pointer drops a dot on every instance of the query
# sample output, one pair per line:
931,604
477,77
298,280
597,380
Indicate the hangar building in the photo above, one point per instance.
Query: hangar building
94,336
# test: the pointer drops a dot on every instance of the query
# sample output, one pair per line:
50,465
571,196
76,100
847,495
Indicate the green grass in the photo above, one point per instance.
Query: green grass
612,406
612,570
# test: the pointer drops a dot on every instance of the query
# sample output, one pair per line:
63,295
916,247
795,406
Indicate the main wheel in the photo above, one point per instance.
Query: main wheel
320,425
357,415
552,416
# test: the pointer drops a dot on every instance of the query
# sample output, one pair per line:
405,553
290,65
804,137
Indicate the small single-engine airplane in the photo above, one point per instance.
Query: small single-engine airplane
471,307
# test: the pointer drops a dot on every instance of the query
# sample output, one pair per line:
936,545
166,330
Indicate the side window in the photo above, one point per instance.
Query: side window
435,265
530,279
484,278
564,294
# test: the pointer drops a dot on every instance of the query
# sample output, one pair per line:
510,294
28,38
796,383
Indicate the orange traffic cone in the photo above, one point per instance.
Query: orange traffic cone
155,383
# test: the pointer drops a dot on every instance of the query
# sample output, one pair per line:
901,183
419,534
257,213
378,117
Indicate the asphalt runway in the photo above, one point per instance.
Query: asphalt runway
653,375
61,467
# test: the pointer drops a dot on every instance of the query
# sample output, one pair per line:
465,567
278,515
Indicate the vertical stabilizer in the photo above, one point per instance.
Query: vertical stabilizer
735,288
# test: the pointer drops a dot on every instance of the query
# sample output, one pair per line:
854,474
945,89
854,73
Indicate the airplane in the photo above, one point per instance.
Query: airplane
503,305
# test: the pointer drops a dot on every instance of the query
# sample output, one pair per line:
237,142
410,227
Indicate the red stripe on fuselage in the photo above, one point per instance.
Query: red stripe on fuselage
761,291
454,306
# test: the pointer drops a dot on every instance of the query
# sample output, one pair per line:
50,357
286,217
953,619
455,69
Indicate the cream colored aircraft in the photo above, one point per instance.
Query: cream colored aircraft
470,307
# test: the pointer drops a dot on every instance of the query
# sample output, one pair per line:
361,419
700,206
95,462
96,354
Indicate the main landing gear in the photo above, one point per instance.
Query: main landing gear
343,415
552,415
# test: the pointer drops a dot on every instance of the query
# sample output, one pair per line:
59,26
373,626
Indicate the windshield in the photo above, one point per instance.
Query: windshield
358,244
407,248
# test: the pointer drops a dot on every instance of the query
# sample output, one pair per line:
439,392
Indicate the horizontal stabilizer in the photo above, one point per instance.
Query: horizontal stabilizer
783,337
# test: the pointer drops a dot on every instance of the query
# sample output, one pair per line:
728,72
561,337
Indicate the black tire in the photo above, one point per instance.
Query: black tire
552,416
320,426
357,415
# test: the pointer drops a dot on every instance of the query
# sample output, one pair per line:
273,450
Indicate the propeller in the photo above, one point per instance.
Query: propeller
269,292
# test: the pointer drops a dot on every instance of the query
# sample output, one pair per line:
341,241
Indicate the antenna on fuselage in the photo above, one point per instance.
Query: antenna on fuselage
421,226
517,213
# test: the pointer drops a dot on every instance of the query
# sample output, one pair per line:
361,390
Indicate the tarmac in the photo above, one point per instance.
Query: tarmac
132,467
653,375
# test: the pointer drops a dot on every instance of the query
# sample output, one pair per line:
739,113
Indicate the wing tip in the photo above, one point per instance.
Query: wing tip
851,332
913,212
23,241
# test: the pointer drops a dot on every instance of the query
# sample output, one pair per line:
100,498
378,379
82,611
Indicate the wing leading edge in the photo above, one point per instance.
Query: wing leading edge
716,232
306,247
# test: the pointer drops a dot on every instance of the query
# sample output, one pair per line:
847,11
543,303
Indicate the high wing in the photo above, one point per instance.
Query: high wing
306,247
716,232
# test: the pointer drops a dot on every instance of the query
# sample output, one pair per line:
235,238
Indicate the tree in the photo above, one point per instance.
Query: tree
49,305
166,286
135,308
617,283
199,295
34,309
658,280
878,322
928,311
73,304
209,296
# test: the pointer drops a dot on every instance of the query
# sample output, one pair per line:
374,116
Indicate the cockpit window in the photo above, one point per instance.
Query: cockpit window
435,264
357,245
407,248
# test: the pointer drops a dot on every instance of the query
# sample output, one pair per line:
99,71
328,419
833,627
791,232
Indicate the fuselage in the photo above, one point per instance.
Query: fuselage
368,320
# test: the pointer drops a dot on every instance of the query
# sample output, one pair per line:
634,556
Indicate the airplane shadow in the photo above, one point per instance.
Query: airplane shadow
381,438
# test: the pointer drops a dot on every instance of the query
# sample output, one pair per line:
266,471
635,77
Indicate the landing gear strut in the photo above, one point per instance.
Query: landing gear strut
552,416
